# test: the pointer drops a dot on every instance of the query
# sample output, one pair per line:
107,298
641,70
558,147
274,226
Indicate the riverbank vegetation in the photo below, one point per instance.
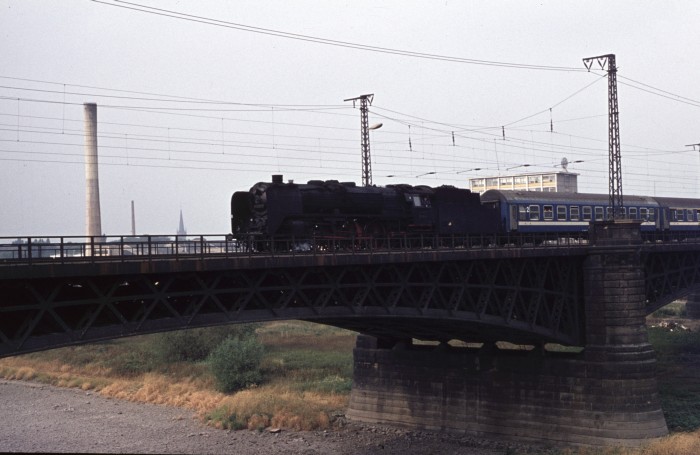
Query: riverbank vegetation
302,382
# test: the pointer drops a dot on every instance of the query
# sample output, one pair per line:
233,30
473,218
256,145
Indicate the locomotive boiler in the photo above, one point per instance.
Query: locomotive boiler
341,210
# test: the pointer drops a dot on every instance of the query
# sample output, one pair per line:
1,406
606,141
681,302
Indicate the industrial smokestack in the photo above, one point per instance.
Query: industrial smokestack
133,219
93,222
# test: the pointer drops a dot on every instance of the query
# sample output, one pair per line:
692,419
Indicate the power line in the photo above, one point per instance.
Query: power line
308,38
663,93
169,97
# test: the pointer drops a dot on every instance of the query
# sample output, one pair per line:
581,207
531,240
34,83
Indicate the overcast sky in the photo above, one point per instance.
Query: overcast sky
194,107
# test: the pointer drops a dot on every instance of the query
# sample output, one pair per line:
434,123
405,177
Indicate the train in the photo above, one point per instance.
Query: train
332,211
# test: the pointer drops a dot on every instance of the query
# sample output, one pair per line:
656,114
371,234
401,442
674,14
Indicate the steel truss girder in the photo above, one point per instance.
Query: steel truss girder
669,276
527,300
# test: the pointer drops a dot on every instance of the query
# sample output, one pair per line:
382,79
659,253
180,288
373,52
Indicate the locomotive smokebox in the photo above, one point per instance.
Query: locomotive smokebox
277,178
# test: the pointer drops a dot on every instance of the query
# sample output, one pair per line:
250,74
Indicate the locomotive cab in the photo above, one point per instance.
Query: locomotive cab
241,211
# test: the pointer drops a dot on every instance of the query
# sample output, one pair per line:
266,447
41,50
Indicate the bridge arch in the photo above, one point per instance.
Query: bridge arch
526,300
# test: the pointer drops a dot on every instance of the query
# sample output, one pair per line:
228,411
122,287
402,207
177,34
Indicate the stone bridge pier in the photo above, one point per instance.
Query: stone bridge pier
604,394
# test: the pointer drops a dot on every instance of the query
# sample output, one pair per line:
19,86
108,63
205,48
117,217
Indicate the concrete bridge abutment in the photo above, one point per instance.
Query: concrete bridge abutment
606,394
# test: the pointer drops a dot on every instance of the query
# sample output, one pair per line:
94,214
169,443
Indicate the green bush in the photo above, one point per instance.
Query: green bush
192,345
235,363
130,363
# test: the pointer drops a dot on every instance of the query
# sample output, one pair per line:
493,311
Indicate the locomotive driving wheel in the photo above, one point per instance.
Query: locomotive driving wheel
376,234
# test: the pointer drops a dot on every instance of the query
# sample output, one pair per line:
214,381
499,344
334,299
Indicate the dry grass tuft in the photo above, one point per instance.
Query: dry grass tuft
675,444
159,389
281,407
258,422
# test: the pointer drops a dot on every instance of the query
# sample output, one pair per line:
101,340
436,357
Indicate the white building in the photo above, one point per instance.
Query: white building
564,182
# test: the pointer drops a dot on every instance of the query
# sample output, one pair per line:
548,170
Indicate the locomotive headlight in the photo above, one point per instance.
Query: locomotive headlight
449,223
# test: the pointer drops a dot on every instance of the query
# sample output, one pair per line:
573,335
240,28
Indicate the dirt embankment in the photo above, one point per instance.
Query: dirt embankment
41,418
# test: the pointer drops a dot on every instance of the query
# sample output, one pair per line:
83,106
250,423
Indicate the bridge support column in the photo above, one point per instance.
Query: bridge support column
604,395
617,350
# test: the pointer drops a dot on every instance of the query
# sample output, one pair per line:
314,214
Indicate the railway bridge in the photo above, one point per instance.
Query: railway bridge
584,371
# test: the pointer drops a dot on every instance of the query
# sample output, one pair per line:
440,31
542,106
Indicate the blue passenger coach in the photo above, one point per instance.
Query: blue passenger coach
549,212
679,214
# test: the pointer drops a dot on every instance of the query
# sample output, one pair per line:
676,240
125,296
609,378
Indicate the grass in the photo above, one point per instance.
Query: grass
675,309
685,443
678,365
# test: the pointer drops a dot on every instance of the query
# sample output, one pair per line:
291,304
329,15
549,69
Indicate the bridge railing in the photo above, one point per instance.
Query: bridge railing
71,249
112,248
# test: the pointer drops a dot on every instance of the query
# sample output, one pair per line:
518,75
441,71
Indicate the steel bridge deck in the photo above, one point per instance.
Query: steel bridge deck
523,294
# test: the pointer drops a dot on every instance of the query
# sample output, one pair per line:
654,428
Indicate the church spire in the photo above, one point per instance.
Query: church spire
181,228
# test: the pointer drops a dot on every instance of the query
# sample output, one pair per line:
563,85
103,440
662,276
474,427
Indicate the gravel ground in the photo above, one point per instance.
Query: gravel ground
41,418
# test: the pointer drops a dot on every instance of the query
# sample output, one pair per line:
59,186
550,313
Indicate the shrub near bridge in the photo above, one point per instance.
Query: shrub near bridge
235,363
194,345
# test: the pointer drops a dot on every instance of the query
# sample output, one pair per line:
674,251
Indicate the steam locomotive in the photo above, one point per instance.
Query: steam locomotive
333,211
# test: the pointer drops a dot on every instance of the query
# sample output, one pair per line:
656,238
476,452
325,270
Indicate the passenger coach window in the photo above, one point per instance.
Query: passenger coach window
534,212
522,213
697,214
633,213
561,212
587,214
599,213
689,215
574,212
548,212
646,214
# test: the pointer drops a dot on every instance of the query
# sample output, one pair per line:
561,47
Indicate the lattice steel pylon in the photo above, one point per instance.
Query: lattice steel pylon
614,158
364,126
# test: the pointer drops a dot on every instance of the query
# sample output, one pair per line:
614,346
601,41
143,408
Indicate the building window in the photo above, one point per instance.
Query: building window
574,212
533,179
548,212
492,182
519,180
548,179
534,212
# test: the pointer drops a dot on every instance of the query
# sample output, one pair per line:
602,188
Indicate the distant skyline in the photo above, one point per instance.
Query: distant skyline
220,95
